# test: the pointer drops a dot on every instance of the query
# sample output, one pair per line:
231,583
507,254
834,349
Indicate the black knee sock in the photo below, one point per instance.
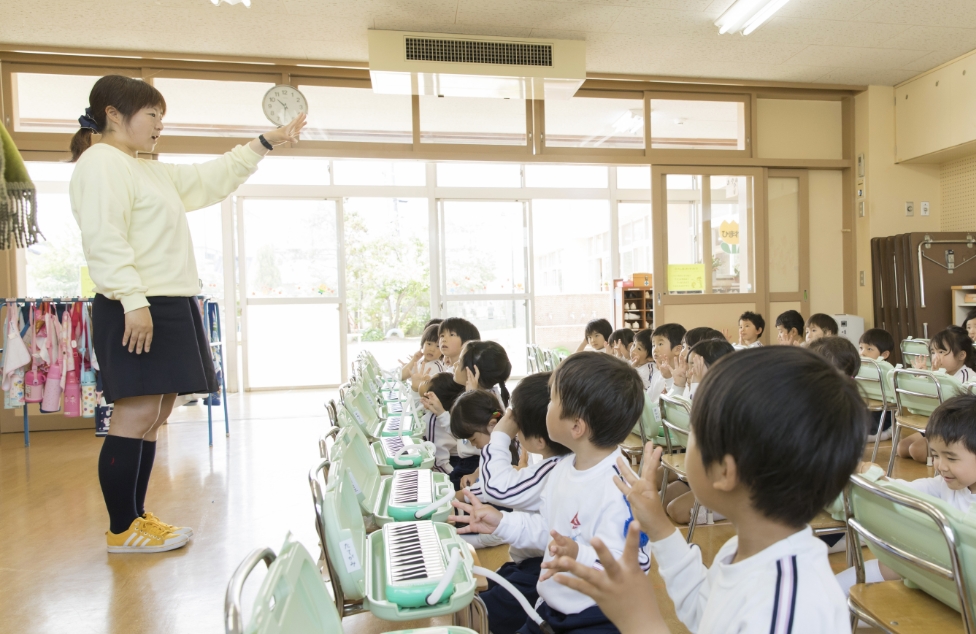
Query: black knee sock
145,470
118,471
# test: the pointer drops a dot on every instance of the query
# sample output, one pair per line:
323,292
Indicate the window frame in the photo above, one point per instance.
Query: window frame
669,155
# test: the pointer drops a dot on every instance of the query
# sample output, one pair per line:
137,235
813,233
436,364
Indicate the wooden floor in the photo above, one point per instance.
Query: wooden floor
245,492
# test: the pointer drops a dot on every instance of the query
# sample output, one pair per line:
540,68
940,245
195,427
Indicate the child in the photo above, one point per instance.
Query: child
439,393
820,325
951,432
751,328
969,324
427,360
840,352
640,357
702,356
596,334
682,372
952,350
620,341
473,418
789,328
876,344
769,460
666,342
519,489
452,334
484,365
596,400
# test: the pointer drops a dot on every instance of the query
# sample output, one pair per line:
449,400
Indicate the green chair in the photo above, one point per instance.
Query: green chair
925,540
912,349
645,429
292,599
917,394
676,416
873,379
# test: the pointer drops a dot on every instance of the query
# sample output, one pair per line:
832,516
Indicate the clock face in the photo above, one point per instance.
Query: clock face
283,103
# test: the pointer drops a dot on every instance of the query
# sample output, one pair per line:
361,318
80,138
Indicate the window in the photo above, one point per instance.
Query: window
473,120
380,173
634,177
289,170
595,122
204,107
50,103
357,114
636,250
678,124
54,264
479,175
541,175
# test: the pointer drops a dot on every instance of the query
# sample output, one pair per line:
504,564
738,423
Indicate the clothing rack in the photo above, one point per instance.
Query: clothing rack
20,302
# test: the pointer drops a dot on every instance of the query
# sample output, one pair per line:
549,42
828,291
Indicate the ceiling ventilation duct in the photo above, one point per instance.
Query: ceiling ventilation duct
464,66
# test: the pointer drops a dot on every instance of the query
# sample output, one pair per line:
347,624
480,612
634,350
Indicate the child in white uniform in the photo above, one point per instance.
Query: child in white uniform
439,393
751,328
745,443
640,357
596,400
953,351
426,362
666,345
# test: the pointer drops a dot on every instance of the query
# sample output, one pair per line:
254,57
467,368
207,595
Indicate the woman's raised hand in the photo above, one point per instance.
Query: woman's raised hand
287,133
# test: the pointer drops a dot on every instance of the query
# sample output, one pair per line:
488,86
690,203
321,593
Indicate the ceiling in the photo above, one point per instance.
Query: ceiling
822,41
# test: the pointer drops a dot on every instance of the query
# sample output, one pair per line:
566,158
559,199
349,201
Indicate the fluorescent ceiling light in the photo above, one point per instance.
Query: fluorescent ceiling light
246,3
747,15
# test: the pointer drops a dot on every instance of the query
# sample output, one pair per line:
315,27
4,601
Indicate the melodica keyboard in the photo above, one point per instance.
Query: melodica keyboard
415,563
397,425
393,444
410,491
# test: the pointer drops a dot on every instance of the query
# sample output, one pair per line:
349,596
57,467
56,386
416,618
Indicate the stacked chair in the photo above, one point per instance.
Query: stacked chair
874,378
541,359
929,543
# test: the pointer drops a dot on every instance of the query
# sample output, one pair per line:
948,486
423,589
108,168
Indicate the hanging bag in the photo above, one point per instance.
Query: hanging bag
89,399
15,357
72,384
51,401
35,378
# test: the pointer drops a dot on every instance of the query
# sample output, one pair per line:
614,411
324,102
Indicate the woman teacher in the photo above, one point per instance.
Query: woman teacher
147,329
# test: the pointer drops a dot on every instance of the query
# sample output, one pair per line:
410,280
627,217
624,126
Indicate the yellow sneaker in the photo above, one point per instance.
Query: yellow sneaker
179,530
144,536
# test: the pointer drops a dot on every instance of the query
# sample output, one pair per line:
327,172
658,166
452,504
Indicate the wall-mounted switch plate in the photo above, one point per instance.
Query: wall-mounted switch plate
909,208
925,207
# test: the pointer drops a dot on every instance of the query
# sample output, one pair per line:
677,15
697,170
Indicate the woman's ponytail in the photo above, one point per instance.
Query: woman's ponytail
80,142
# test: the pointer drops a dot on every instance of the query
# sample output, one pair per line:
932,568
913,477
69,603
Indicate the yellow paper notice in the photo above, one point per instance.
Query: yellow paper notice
87,285
729,232
686,277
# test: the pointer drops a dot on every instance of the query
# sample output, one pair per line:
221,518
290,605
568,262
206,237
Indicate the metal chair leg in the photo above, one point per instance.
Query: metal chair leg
693,520
895,437
664,485
877,436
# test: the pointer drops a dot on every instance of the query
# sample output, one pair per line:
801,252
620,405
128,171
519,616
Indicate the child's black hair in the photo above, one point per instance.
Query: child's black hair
473,411
711,350
530,402
824,322
701,333
604,391
672,332
430,335
446,388
756,319
796,442
969,317
643,337
460,327
598,326
494,368
791,320
955,340
955,421
879,338
435,321
624,335
840,352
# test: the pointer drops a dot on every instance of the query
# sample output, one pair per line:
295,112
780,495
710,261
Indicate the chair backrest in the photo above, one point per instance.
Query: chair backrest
923,539
676,417
922,391
345,536
291,600
530,358
352,456
874,378
648,424
913,348
360,406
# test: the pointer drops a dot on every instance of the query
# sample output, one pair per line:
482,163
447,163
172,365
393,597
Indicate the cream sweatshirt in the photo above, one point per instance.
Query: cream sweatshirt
132,215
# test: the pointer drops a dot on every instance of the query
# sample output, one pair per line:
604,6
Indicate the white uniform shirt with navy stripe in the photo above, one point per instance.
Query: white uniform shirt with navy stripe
502,484
580,505
961,499
965,375
646,372
788,588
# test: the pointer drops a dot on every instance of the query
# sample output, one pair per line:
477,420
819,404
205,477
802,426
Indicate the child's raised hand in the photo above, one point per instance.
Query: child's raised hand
664,366
432,403
641,493
474,376
507,424
697,369
622,590
919,363
480,518
680,371
560,546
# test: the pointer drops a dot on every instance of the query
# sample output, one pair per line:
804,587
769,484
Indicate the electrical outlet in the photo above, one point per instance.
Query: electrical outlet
862,278
860,208
925,207
909,208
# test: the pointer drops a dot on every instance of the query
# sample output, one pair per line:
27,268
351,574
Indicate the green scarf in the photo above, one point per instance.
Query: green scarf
18,198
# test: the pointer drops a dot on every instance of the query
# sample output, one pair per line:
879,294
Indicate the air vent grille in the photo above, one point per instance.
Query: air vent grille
423,49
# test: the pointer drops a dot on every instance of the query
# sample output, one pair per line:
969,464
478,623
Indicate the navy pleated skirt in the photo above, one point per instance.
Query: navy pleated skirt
178,362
